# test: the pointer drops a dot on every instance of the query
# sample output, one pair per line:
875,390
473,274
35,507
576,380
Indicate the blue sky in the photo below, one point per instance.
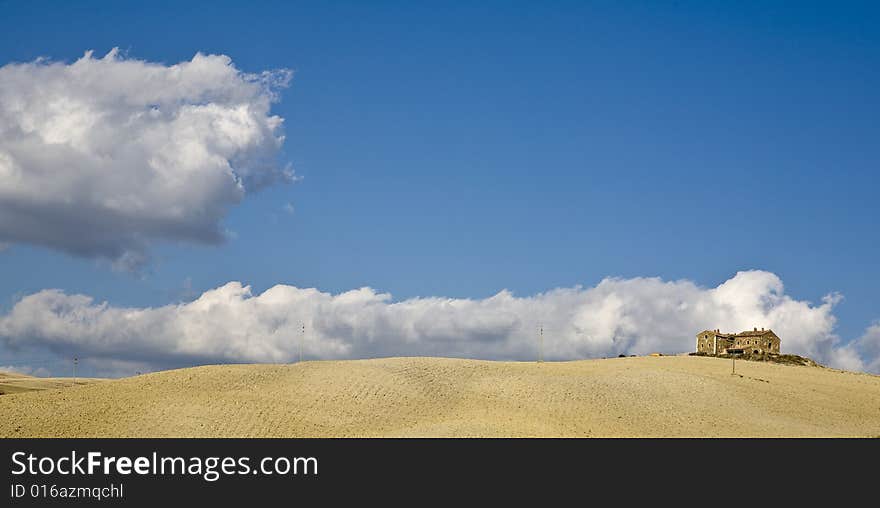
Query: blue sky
456,150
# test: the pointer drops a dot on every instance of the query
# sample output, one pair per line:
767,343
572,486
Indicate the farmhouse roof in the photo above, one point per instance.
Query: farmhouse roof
753,333
718,334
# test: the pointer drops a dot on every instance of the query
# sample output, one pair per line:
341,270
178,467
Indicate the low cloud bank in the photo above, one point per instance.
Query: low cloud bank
617,316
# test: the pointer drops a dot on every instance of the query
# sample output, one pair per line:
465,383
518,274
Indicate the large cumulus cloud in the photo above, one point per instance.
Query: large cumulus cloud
103,156
617,316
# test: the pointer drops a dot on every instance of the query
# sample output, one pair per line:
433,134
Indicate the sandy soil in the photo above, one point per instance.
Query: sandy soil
644,396
11,382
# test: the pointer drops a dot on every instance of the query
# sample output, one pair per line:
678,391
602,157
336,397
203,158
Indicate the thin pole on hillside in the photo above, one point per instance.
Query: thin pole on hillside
541,343
75,359
301,340
734,364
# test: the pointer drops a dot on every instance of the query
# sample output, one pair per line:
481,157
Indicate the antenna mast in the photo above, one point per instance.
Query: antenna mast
541,343
301,340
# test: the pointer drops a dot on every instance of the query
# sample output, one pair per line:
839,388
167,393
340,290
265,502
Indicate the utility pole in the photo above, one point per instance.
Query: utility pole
301,340
75,360
734,365
541,344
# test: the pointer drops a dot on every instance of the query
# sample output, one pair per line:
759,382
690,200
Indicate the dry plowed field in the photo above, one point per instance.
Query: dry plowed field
11,382
644,396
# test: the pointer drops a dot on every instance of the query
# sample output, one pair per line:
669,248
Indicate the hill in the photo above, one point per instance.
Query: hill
642,396
13,382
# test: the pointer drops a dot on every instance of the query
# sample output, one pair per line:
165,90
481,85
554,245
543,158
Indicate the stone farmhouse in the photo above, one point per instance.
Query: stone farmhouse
714,342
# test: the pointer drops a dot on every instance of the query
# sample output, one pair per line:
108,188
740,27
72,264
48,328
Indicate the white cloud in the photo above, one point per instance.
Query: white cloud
868,348
103,156
229,324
